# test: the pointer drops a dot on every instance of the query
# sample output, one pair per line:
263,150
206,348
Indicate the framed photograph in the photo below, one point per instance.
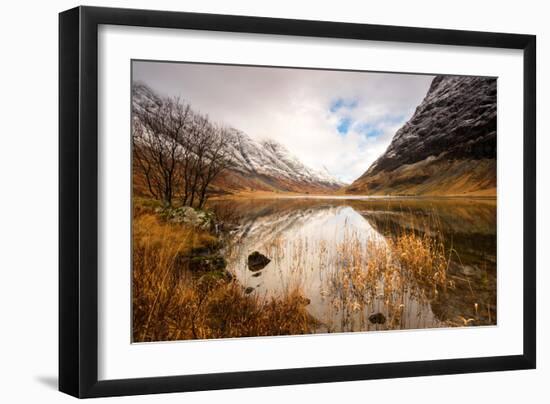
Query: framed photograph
251,201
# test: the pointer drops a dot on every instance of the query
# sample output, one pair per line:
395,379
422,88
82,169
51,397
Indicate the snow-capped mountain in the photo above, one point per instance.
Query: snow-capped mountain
448,147
271,159
258,165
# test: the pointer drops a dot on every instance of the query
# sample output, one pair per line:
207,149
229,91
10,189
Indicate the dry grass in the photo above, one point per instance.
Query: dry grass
423,256
403,276
431,177
384,275
168,239
170,303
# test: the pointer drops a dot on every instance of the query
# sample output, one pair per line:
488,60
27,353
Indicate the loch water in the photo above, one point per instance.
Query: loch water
308,240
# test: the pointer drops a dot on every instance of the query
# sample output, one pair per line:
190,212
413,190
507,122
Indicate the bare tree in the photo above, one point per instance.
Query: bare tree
209,154
196,144
218,158
178,151
157,132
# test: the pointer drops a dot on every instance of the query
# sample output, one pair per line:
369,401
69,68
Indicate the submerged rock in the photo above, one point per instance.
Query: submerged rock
257,261
377,318
469,270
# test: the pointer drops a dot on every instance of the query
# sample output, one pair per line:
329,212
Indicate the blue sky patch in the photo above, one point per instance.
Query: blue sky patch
340,103
369,130
343,126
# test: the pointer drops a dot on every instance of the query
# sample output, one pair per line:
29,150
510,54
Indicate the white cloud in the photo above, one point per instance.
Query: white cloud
298,107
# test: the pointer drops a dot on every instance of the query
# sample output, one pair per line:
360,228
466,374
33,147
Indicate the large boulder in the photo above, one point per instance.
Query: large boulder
257,261
377,318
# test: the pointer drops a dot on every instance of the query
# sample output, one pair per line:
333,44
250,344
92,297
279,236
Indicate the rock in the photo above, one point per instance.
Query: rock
257,261
377,318
468,270
206,263
249,290
199,260
190,216
200,251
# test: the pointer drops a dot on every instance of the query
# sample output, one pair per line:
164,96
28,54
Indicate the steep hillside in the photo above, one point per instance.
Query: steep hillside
257,165
448,147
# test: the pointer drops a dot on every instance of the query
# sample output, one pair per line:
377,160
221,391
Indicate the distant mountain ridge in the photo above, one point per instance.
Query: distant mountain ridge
448,147
271,163
264,165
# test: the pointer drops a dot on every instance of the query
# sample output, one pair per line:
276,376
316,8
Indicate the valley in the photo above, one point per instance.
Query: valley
234,236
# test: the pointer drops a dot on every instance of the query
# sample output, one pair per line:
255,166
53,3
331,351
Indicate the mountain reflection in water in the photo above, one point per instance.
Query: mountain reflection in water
307,240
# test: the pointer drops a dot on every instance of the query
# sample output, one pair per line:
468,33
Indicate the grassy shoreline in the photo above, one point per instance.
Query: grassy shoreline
173,302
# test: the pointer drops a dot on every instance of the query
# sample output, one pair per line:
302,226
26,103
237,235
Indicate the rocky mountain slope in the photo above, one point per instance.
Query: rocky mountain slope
258,165
448,147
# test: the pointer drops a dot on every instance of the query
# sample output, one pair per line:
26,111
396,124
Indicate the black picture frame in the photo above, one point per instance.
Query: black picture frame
78,201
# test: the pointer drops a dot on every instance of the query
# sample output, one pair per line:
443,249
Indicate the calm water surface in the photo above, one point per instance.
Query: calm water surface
308,238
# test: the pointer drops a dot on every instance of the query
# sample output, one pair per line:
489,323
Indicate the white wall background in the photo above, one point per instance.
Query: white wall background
28,206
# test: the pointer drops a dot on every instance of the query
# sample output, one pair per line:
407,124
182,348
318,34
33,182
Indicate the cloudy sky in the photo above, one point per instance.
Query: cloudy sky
334,119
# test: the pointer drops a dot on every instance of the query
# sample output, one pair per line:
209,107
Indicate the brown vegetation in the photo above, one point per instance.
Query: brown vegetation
409,276
385,276
431,177
400,277
172,303
232,182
